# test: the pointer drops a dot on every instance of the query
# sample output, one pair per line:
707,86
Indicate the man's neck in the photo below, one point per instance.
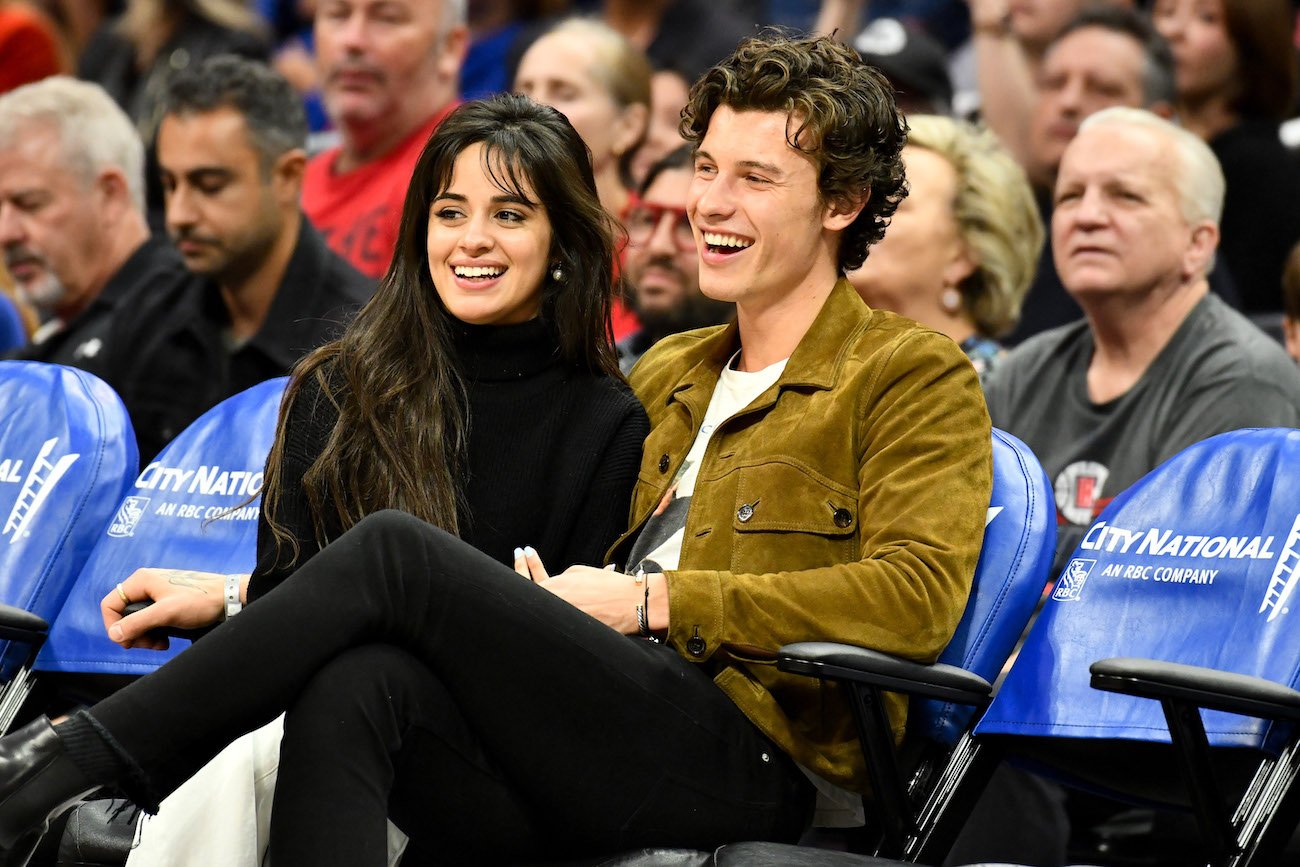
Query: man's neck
248,297
366,142
129,237
769,332
1128,333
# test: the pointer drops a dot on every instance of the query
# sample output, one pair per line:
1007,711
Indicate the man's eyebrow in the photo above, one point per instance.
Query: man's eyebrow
207,172
770,168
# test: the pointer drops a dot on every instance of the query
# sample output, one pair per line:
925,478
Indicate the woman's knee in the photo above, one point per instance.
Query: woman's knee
374,684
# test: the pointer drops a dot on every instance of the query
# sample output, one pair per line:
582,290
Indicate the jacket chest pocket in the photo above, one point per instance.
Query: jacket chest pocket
787,517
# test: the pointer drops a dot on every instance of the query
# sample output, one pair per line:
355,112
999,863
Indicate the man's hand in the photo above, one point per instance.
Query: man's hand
182,599
610,597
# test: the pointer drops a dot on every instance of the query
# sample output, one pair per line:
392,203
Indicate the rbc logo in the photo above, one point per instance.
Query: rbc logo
130,513
1074,575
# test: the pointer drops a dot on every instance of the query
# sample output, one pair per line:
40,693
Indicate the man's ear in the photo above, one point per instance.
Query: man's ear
840,213
1200,251
113,191
1291,331
451,54
286,177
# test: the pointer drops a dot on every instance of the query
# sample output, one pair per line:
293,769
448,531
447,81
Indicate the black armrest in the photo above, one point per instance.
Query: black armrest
17,624
832,661
168,631
1204,687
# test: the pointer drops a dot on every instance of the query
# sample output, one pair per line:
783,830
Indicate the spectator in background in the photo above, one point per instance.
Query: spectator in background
72,222
915,64
1160,363
668,92
601,83
1010,41
30,48
1291,303
131,55
495,26
389,71
662,264
1106,56
1236,65
686,35
265,289
962,247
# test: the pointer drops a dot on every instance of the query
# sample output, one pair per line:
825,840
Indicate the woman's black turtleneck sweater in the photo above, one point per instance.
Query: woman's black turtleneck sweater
552,459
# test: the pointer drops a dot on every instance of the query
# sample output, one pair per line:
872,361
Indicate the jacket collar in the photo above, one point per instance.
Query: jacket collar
815,362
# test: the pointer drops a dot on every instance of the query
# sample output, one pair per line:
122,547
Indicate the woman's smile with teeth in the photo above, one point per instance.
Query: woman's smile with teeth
484,271
735,242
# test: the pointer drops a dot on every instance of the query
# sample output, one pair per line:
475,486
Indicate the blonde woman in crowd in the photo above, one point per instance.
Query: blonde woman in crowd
601,83
961,250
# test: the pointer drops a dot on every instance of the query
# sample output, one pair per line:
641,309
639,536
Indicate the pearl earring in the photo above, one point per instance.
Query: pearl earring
557,274
950,300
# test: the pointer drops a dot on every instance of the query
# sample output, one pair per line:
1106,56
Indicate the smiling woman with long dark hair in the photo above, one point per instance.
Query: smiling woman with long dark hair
478,393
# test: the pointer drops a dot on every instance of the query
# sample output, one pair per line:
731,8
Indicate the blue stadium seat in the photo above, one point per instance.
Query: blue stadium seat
67,453
1181,591
12,332
194,507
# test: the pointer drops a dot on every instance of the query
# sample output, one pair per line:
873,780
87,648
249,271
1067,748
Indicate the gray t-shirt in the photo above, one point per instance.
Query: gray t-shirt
1218,373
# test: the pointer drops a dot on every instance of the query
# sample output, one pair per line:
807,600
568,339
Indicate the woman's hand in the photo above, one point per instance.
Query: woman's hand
529,564
181,598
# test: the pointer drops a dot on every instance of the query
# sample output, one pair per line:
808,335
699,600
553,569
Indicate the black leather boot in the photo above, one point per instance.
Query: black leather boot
37,782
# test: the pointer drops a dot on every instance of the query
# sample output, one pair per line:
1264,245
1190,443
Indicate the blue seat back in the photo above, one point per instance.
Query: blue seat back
194,507
67,453
12,332
1014,567
1195,563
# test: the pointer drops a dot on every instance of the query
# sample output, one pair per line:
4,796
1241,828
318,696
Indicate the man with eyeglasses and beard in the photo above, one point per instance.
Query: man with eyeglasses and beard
662,265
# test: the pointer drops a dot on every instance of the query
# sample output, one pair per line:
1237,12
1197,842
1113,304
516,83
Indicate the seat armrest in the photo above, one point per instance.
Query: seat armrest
1203,687
17,624
831,661
167,631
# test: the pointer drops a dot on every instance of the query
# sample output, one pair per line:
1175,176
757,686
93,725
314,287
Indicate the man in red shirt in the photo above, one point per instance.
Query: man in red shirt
389,73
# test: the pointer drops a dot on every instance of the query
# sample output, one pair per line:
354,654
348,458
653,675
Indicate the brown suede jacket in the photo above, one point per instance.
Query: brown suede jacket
846,503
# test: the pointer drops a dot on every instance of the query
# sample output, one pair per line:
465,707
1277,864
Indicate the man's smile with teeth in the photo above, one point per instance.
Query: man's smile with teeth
485,271
735,242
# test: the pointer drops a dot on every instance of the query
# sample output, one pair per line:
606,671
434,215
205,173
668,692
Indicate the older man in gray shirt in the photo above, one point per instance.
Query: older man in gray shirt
1158,363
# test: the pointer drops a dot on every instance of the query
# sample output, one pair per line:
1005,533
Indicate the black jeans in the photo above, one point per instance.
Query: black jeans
506,723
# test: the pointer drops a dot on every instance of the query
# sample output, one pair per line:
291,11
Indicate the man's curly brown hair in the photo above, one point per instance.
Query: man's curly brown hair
847,121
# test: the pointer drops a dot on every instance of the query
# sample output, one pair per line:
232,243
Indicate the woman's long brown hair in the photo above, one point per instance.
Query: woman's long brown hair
400,439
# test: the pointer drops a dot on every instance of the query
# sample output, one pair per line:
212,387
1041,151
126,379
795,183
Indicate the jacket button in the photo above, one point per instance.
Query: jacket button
745,512
663,463
695,645
842,518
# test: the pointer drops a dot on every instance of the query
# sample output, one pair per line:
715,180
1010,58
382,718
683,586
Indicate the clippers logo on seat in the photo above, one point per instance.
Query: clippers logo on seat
37,487
1073,577
130,513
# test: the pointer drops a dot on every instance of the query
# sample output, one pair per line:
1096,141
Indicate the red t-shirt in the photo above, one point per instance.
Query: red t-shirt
359,211
29,50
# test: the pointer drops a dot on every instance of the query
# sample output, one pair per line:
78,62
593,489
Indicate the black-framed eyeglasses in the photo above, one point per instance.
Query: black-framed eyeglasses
642,221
